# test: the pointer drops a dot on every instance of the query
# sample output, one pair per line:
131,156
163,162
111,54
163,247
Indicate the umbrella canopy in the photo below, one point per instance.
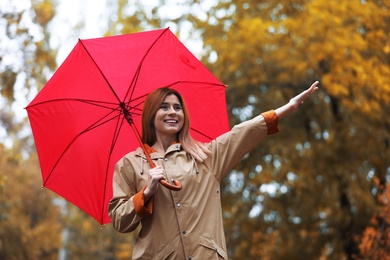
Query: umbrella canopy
78,121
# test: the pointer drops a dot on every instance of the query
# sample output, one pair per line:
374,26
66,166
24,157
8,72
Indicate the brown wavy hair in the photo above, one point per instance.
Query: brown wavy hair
151,105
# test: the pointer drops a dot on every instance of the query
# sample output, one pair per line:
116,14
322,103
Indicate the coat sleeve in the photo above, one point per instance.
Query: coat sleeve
121,207
229,148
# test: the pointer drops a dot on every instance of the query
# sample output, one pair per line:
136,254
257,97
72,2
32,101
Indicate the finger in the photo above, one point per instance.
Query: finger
312,88
156,169
156,178
157,173
314,85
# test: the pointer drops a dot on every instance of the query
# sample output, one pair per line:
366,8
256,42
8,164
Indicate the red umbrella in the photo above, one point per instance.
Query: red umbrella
79,118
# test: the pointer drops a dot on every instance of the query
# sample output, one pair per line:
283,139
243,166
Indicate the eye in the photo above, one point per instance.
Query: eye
164,106
177,107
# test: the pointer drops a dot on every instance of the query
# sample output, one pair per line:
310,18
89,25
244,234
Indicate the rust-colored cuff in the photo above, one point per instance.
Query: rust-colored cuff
272,121
140,208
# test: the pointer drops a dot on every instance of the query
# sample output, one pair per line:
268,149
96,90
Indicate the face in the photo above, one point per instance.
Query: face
169,118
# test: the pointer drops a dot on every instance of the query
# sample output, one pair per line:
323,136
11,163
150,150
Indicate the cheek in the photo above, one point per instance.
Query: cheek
156,117
182,119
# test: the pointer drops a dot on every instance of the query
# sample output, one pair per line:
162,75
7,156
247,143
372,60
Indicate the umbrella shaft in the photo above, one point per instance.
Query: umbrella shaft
127,114
152,165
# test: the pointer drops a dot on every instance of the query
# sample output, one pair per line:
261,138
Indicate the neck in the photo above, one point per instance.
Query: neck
162,144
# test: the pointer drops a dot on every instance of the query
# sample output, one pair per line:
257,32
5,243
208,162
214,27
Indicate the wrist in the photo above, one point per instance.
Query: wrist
147,194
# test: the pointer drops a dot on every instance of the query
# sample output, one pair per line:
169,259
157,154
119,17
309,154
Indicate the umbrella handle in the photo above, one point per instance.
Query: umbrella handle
176,186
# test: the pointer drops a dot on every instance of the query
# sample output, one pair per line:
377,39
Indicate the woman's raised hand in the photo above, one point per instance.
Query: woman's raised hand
296,101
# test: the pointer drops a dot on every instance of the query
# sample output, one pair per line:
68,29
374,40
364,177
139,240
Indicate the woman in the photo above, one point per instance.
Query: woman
184,224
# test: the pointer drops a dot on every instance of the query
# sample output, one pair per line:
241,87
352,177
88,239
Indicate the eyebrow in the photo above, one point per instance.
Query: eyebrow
167,103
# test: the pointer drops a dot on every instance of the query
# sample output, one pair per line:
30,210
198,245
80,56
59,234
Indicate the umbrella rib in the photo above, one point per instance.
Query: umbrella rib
135,78
101,72
118,127
91,127
168,86
96,124
195,82
138,104
92,102
209,137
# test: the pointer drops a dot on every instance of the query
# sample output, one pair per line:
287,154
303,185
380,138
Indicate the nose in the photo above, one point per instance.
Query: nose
171,111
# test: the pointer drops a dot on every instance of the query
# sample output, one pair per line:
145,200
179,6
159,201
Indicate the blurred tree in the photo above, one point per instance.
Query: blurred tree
29,226
375,243
25,34
85,239
128,17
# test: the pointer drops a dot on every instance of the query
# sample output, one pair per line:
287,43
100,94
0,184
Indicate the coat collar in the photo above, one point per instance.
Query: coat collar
175,147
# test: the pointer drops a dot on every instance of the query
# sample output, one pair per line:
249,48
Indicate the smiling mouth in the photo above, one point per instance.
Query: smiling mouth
171,121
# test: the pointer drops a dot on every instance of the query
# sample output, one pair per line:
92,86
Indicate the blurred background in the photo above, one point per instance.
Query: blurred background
319,189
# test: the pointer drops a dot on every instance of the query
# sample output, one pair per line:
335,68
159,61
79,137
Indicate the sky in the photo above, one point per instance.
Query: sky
69,14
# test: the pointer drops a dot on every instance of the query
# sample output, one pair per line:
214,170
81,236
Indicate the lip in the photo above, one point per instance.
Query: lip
171,121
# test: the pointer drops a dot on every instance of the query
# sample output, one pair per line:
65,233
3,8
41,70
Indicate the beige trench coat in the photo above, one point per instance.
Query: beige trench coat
184,224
